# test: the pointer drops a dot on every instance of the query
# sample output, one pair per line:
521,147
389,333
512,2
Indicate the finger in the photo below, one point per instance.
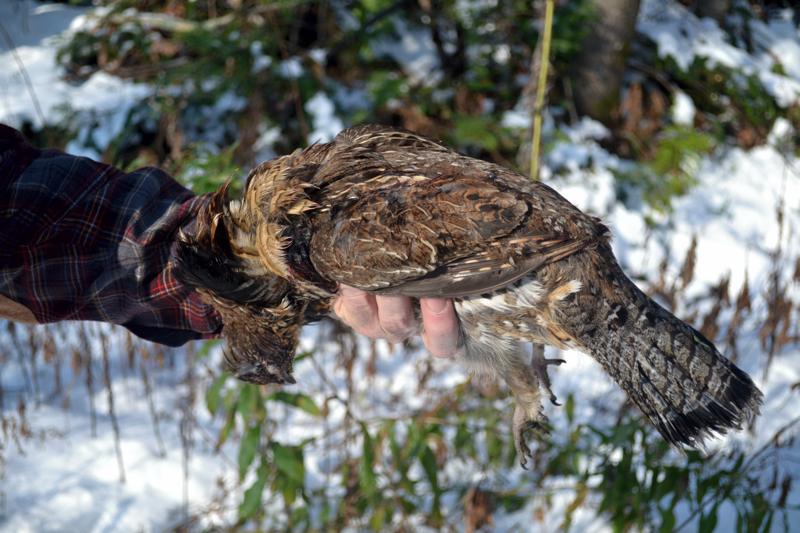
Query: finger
358,310
440,326
396,317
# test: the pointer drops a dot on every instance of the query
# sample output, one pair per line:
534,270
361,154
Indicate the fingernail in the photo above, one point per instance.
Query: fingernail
436,305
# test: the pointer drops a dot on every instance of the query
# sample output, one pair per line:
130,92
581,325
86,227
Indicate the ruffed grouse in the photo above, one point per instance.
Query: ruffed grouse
391,212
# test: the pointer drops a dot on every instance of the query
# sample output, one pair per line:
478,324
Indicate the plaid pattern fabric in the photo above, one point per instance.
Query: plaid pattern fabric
81,240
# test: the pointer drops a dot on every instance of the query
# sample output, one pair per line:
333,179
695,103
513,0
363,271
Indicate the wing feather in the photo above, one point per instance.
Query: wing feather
483,272
433,223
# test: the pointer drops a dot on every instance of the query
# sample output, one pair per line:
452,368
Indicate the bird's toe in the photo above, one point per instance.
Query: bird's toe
523,426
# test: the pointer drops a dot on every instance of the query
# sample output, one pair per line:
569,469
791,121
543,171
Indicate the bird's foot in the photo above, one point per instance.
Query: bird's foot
539,364
524,423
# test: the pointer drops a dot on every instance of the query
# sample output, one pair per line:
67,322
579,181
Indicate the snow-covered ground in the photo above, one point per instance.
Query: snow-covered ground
63,477
32,88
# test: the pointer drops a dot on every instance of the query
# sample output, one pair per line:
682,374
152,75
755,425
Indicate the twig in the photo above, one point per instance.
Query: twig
186,425
2,390
26,378
112,414
54,355
151,406
170,23
295,87
740,472
540,89
87,358
28,84
32,345
349,37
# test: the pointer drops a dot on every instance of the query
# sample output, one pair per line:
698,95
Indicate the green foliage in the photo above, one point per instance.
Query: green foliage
256,58
195,54
626,472
477,131
733,103
299,400
669,173
252,500
570,27
205,169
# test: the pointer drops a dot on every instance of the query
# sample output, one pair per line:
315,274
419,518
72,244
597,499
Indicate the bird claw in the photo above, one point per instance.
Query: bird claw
539,363
523,425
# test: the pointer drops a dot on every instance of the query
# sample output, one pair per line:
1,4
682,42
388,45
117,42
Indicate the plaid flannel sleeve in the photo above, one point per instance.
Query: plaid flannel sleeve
81,240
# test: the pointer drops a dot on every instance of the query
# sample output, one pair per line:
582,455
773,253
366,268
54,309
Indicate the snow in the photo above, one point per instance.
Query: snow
64,478
414,51
326,123
291,68
106,98
261,61
516,118
267,137
679,34
683,109
67,479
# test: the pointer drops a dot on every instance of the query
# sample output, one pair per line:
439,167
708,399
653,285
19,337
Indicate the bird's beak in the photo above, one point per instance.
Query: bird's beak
287,377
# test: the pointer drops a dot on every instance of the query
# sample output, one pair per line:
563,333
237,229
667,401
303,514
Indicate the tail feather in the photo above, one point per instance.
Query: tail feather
676,376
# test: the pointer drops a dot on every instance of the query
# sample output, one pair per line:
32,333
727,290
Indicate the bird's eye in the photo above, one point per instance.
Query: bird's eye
280,375
253,373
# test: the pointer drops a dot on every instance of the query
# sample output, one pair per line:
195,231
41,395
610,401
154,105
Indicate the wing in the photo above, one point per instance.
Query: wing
486,271
428,222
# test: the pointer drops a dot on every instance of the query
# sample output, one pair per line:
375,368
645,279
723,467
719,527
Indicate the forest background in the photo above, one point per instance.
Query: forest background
676,121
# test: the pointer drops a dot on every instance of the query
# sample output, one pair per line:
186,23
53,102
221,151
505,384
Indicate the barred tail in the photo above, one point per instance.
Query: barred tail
676,376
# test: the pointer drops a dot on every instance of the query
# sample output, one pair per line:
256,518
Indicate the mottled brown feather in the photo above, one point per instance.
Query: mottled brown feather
392,212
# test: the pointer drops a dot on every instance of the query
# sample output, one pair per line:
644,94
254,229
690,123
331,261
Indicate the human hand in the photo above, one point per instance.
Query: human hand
392,318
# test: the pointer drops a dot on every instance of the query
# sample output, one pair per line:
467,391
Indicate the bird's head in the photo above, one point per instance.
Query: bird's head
261,343
249,261
261,311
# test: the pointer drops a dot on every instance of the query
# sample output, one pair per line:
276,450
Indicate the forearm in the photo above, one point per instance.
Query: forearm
81,240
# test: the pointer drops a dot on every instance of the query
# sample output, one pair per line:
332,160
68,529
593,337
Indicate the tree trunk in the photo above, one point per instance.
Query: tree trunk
598,72
715,9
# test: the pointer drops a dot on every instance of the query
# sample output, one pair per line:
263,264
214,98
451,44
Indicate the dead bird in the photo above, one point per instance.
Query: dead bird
392,212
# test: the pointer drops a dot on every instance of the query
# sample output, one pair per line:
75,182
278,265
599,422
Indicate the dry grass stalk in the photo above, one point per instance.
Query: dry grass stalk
20,351
112,414
187,424
741,311
33,346
13,430
662,288
690,261
774,333
719,293
51,356
148,392
130,350
86,361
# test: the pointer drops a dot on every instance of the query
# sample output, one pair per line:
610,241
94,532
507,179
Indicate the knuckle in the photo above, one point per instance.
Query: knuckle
338,308
370,330
357,307
398,326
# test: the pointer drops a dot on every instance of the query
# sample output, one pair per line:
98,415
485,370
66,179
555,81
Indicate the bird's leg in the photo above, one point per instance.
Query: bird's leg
539,364
528,413
524,422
